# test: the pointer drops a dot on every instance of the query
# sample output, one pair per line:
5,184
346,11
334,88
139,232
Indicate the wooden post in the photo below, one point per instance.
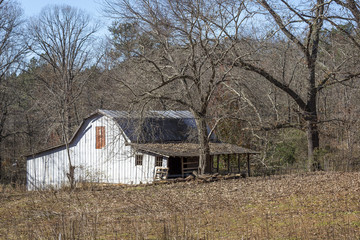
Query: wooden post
238,158
228,163
208,166
248,165
217,163
182,166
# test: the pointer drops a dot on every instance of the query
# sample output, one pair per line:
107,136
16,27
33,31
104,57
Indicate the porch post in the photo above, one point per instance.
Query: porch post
208,166
238,158
217,163
228,163
182,166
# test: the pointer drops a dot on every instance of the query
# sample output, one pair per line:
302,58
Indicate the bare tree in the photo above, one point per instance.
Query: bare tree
185,64
352,8
63,37
301,25
345,17
12,50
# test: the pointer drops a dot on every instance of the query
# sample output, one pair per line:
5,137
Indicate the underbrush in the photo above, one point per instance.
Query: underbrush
302,206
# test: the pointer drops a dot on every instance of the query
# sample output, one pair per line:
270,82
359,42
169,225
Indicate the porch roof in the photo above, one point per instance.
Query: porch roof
191,149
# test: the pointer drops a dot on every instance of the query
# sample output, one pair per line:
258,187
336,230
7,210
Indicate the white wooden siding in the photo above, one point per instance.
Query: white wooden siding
115,163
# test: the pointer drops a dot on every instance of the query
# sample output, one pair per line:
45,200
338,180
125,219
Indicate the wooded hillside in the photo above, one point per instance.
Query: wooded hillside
275,76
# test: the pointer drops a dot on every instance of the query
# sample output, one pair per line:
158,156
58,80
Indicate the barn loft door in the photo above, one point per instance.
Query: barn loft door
100,137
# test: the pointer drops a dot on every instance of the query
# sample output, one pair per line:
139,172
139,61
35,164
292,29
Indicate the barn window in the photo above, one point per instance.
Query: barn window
138,160
100,137
158,161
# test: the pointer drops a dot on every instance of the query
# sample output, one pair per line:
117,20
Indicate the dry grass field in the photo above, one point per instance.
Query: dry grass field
310,206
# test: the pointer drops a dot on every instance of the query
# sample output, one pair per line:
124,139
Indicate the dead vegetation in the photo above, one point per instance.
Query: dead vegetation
309,206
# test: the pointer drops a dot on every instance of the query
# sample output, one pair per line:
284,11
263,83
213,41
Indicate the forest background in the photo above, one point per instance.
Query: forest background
281,77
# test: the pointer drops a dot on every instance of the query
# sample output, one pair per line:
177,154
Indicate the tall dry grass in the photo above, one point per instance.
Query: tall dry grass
305,206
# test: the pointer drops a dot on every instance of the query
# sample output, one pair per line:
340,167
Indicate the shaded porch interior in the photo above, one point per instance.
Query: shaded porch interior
182,166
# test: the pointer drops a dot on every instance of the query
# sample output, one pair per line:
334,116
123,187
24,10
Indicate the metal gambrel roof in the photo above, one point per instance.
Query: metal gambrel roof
156,126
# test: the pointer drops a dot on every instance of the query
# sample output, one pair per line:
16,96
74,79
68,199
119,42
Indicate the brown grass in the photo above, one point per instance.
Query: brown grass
310,206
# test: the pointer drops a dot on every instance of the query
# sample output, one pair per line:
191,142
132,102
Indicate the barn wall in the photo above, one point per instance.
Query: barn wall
115,163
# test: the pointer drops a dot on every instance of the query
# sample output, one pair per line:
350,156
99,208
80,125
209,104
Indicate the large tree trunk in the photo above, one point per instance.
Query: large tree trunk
312,131
313,145
311,116
204,150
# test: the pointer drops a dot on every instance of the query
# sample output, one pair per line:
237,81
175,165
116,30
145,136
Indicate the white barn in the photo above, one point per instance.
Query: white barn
115,147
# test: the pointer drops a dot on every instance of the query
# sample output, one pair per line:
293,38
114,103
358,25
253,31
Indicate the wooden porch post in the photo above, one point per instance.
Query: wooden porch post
228,163
217,163
248,165
209,164
182,166
238,158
